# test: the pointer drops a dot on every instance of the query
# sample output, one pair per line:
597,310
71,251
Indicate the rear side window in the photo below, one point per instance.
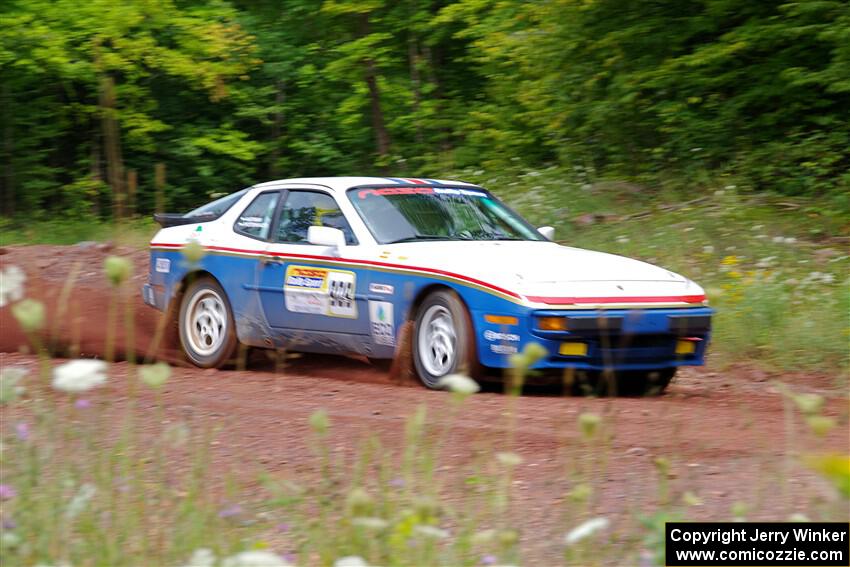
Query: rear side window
217,207
256,220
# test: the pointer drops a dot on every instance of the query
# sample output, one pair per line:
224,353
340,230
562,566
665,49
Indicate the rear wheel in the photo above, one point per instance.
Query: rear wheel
443,340
207,330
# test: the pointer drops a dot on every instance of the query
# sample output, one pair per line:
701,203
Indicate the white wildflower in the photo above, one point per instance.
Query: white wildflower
258,558
708,249
790,240
201,557
778,239
431,531
458,383
12,280
80,500
509,459
79,375
586,530
622,239
351,561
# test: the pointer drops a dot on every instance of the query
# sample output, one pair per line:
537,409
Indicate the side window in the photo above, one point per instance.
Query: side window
256,220
304,209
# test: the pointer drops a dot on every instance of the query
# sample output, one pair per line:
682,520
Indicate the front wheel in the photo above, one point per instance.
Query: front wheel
443,340
207,331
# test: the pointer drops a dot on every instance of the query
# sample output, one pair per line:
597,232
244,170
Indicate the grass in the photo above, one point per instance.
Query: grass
135,232
120,482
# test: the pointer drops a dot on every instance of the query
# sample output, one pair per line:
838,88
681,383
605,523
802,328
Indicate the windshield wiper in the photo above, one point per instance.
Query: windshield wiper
418,237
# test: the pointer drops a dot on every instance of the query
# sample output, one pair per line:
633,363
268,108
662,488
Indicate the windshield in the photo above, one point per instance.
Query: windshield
408,214
217,207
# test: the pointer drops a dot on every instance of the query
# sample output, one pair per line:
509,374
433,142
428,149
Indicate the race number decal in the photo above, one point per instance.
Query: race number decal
319,291
341,294
381,322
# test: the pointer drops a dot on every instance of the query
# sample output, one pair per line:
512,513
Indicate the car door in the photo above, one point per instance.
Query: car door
306,287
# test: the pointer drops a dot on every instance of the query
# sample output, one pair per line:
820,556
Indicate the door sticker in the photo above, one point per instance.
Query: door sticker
381,322
318,291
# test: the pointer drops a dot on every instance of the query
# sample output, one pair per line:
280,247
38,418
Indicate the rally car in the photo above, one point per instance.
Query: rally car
344,264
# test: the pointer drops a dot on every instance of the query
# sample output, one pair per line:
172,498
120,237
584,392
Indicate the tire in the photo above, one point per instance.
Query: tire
206,327
443,339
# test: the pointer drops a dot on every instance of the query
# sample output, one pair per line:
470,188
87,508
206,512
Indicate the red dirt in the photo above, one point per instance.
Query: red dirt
723,431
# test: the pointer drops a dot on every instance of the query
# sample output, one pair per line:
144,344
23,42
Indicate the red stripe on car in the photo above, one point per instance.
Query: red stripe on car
630,299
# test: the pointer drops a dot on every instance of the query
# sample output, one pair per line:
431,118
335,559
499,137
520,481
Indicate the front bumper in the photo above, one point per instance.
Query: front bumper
613,339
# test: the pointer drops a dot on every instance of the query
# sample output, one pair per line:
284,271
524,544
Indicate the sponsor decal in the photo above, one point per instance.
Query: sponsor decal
381,322
305,278
163,265
494,336
381,288
319,291
503,349
466,192
252,222
306,302
418,191
395,191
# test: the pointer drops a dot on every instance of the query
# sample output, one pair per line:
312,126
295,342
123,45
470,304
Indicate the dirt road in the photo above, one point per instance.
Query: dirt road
723,432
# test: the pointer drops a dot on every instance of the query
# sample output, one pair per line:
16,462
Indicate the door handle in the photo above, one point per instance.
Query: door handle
271,261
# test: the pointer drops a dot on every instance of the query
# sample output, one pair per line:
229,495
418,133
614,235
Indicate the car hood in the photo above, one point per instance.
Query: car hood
542,268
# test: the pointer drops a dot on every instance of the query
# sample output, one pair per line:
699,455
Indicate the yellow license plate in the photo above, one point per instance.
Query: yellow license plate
686,347
573,349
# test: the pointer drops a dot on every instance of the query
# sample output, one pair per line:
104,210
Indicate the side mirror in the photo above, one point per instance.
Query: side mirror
548,232
326,236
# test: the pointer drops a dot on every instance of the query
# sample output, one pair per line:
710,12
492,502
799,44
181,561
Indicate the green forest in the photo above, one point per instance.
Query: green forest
103,102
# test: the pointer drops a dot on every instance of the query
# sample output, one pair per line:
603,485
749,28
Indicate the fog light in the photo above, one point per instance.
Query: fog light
501,319
552,323
573,349
686,346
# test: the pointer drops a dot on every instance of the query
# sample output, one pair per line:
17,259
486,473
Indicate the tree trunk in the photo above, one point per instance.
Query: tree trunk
416,85
277,127
159,187
8,149
112,145
382,137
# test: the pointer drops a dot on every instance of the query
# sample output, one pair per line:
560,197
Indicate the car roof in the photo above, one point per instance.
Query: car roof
339,184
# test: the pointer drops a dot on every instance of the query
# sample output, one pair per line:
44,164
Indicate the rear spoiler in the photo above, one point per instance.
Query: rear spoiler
176,219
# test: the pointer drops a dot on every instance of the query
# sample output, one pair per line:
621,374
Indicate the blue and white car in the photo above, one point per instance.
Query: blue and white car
358,265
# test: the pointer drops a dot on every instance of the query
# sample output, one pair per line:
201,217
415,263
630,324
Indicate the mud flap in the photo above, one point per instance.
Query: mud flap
401,369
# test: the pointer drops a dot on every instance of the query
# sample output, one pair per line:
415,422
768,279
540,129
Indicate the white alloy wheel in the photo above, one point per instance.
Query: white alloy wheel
206,324
443,340
437,341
